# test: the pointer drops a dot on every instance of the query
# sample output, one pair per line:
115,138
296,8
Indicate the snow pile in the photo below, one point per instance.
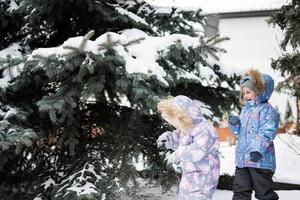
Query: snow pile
288,164
287,149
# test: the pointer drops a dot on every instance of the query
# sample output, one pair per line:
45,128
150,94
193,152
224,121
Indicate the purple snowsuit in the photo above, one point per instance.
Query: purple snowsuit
197,153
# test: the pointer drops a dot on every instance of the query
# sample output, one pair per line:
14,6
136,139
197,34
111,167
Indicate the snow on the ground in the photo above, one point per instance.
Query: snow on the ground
288,159
283,195
149,191
287,148
288,164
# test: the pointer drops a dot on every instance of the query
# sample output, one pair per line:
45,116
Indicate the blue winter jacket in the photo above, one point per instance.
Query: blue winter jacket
257,130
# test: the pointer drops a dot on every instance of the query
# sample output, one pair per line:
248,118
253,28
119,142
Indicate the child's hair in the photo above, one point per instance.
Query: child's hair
181,118
257,81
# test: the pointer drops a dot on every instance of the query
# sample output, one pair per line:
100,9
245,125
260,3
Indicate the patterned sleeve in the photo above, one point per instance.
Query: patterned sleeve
269,120
198,149
234,128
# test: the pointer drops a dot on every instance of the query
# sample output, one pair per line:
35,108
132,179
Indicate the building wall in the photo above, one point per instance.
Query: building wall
253,44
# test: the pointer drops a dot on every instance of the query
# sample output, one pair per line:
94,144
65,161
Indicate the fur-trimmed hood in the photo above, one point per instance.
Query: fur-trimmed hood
189,106
182,108
263,83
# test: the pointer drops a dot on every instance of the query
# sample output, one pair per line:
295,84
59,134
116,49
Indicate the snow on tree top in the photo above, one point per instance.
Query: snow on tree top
131,15
139,50
13,51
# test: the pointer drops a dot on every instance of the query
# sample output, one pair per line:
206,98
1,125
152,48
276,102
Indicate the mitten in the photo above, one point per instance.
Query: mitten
163,139
161,143
255,156
233,120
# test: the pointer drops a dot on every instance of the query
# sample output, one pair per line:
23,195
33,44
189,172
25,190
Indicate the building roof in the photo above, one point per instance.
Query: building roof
239,14
223,6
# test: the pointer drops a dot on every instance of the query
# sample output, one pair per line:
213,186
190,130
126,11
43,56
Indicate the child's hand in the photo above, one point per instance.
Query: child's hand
255,156
163,139
233,120
161,143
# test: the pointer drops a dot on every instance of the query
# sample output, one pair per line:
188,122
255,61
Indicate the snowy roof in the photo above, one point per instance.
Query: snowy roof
222,6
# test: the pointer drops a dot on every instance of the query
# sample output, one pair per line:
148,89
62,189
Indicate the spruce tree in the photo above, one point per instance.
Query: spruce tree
77,117
287,18
288,113
10,23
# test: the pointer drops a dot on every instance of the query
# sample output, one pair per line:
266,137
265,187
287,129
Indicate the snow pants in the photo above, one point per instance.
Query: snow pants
197,186
248,179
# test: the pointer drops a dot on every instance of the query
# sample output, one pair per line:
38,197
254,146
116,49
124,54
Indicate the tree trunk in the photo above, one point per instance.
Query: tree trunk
298,115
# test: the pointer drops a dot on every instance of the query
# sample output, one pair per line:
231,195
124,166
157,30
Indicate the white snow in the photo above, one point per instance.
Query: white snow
14,52
4,81
283,195
10,112
288,159
131,15
48,183
223,6
139,51
287,148
288,164
150,191
9,74
12,6
76,186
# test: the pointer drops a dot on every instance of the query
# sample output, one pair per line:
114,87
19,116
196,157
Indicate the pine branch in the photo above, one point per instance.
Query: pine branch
85,39
135,41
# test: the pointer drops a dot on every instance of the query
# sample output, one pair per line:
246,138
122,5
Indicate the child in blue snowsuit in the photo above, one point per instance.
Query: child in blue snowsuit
255,129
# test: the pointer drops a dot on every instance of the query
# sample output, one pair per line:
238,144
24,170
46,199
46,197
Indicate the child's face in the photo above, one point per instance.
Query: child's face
248,94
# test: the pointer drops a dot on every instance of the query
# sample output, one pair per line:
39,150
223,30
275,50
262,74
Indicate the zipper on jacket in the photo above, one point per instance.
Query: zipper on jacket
246,133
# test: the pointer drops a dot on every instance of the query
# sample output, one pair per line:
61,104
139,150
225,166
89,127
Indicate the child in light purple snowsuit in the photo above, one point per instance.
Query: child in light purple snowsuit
196,145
